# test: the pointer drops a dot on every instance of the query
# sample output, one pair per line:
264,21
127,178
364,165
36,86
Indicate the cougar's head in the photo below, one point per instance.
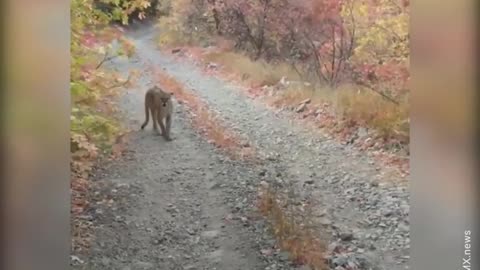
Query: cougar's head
166,98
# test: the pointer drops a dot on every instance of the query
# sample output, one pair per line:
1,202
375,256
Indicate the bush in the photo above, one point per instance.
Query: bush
115,9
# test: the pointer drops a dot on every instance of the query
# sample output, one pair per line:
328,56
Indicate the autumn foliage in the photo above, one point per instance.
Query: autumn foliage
94,130
337,38
330,43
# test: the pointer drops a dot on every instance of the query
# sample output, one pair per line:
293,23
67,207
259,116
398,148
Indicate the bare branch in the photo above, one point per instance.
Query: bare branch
105,59
317,58
121,83
333,56
385,96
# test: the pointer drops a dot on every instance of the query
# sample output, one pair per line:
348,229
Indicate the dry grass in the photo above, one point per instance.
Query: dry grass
291,231
173,38
256,73
353,106
350,104
171,32
206,121
368,109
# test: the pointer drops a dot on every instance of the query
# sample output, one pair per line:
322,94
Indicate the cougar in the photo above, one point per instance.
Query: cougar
159,103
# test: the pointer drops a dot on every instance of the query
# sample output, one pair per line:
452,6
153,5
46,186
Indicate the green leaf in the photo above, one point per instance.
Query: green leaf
78,89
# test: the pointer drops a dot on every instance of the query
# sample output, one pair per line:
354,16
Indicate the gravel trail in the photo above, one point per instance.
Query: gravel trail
174,205
173,213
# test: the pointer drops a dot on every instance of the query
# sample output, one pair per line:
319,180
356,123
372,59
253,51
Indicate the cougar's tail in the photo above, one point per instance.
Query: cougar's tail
147,118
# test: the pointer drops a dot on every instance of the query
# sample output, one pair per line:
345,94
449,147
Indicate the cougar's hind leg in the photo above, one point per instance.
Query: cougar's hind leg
155,120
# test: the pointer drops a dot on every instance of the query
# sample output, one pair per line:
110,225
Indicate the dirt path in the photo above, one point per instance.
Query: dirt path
188,212
169,207
174,205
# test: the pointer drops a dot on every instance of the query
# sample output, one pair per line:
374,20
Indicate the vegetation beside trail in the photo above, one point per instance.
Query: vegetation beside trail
95,132
353,54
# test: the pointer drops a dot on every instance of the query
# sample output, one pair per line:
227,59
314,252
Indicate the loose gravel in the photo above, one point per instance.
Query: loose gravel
195,209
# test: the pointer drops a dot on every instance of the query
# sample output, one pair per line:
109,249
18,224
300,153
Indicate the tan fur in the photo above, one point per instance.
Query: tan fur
159,104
